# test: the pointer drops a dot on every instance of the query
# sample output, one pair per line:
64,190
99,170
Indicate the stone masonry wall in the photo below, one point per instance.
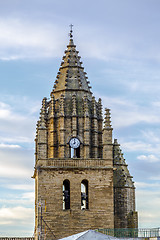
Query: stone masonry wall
67,222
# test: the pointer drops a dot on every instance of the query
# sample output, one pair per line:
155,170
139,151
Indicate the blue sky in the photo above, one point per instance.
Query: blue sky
119,44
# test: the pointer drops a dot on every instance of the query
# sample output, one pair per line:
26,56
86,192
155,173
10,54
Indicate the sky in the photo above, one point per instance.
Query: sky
118,41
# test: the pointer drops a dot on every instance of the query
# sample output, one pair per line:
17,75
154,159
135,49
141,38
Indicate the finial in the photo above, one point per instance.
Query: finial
42,122
107,121
70,34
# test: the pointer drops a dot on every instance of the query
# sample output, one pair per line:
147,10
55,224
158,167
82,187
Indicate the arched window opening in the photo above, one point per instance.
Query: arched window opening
78,152
66,194
72,152
75,152
84,194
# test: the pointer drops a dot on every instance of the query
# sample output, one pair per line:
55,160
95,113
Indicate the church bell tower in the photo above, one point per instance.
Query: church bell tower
74,187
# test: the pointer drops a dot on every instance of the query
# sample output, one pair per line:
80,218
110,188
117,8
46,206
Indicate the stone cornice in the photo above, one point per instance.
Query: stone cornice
75,164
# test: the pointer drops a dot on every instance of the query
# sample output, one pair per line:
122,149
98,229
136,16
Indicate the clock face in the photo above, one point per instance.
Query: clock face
74,142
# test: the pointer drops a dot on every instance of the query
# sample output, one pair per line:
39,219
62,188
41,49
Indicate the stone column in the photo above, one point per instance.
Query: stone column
62,128
107,137
100,124
86,142
42,133
51,129
94,130
74,116
36,143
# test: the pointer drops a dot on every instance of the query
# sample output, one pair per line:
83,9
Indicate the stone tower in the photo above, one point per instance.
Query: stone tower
77,167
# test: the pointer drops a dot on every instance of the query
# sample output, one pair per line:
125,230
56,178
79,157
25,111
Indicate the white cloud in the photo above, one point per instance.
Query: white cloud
25,187
150,158
27,39
136,146
16,163
127,113
151,136
141,146
29,195
9,216
21,38
13,171
146,218
16,126
155,178
17,139
147,185
2,145
4,110
106,46
156,104
15,199
7,113
14,202
148,206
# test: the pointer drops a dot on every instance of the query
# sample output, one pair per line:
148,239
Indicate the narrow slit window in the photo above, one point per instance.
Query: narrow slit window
75,152
72,152
84,195
78,152
66,194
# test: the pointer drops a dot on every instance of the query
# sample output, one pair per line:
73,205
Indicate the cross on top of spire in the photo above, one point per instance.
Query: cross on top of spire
70,34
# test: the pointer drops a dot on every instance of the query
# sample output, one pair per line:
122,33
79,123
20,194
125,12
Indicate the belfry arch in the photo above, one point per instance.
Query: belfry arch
84,194
66,194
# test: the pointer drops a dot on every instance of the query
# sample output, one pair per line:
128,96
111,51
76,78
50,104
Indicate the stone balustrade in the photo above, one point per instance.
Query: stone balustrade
76,163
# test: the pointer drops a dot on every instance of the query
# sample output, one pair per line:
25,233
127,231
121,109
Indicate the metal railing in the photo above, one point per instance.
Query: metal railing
131,232
16,238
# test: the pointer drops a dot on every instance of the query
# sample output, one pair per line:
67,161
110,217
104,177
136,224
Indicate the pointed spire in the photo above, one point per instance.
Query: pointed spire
122,176
116,142
52,106
71,43
94,107
71,26
100,108
71,35
71,75
37,127
107,120
42,121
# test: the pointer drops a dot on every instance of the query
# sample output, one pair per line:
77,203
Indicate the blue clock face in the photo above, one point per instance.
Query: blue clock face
74,142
